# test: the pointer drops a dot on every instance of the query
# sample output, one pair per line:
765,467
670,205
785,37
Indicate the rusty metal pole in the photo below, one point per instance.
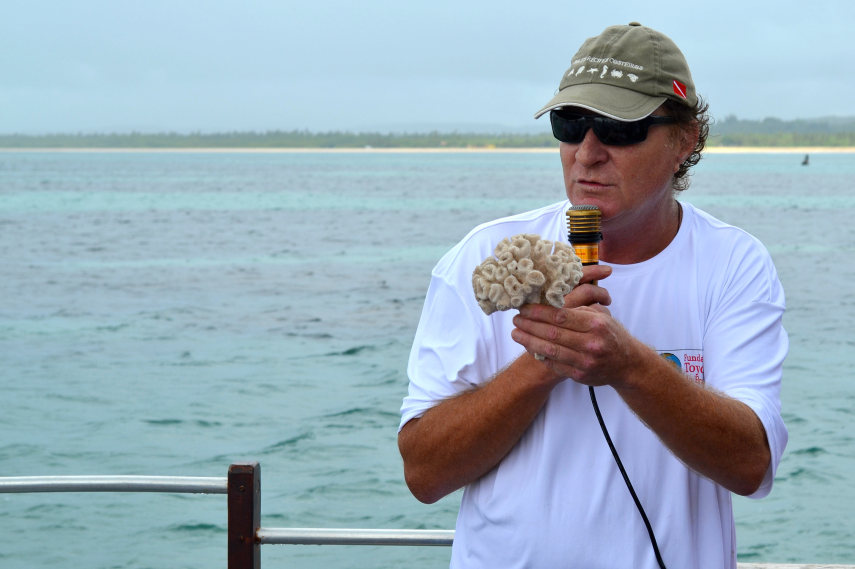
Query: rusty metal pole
244,515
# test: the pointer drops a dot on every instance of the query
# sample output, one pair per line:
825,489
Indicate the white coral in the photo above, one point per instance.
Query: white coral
526,269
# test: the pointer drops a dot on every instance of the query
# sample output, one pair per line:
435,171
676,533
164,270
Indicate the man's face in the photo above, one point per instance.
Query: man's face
628,183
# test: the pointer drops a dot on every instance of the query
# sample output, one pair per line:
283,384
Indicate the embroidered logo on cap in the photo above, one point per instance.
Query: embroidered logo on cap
679,89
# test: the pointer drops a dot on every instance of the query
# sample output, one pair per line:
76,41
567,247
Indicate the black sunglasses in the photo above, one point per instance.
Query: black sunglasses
571,127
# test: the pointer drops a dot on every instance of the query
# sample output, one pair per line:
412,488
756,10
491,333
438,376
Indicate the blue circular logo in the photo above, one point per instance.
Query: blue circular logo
673,359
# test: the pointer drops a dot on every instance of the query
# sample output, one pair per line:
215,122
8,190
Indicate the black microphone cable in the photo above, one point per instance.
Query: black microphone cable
626,479
584,233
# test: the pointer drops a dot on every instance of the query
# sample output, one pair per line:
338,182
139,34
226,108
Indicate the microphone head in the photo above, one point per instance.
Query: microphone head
584,224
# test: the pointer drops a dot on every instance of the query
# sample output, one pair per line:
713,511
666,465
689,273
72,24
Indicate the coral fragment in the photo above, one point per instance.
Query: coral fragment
526,269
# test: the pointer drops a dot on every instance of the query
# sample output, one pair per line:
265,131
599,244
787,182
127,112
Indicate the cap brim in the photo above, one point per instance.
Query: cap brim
609,100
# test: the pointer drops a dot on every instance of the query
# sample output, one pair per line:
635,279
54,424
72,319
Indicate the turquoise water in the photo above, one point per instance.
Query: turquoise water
172,313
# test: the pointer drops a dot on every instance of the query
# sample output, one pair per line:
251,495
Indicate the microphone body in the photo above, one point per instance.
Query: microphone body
584,231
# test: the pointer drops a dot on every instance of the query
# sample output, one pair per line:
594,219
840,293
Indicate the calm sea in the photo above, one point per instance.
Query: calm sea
172,313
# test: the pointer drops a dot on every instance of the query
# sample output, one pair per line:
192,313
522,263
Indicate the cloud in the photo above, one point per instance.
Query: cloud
323,64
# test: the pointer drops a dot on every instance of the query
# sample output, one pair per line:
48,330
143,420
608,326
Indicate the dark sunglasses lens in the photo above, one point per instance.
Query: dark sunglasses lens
567,129
619,133
571,128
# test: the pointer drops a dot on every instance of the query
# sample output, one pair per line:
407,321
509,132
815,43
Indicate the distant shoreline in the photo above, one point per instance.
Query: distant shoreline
426,150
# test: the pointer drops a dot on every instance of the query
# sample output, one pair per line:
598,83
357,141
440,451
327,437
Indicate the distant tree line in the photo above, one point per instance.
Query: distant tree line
832,132
278,139
829,131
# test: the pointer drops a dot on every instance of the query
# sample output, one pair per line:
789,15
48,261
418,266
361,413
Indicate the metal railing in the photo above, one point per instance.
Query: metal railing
243,488
175,484
245,534
351,536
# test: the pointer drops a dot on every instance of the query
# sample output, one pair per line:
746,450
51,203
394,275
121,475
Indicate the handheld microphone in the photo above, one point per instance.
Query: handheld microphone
585,232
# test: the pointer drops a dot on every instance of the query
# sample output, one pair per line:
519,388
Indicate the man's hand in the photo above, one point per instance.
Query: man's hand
584,343
587,292
581,340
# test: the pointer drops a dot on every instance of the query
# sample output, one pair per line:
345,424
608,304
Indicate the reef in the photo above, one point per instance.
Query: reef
526,269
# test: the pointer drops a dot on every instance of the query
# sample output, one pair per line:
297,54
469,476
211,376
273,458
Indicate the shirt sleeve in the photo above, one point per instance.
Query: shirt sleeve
446,357
745,345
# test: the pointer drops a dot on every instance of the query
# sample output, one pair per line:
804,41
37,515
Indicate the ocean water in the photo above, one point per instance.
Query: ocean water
172,313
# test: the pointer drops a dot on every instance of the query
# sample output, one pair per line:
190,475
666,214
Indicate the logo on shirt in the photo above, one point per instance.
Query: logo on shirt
690,362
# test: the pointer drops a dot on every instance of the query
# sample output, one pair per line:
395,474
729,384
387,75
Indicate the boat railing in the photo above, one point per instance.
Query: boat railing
245,533
243,489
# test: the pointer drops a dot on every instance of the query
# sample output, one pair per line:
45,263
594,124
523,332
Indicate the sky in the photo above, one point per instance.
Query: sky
99,66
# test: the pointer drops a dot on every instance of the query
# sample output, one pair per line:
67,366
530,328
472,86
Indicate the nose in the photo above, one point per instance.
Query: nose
591,151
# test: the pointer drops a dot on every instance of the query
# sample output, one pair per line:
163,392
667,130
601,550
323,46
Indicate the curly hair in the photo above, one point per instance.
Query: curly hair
689,118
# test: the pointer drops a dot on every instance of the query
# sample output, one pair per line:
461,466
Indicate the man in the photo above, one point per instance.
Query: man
677,334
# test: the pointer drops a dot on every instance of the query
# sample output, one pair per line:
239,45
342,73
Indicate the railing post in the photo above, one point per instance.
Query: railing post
244,515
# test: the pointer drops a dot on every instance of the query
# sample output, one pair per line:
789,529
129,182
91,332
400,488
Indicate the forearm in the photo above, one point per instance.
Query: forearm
462,438
715,435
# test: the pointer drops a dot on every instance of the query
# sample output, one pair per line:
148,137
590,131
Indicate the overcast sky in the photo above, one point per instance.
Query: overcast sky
391,65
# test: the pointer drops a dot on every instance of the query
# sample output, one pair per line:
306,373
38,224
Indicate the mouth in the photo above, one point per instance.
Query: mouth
591,183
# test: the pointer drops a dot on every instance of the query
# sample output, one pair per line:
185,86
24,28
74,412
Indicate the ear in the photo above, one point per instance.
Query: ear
689,139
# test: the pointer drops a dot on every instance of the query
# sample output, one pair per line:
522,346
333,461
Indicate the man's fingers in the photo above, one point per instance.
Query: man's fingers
592,273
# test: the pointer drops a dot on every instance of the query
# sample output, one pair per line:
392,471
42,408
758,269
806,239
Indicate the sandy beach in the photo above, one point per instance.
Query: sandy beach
780,150
366,150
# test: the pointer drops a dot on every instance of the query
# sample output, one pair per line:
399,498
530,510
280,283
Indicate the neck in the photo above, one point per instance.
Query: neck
632,241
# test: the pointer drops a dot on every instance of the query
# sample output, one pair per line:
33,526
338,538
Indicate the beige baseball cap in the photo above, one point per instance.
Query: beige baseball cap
625,73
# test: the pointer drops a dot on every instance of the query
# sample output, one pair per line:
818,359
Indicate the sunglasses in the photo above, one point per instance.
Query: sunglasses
571,127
